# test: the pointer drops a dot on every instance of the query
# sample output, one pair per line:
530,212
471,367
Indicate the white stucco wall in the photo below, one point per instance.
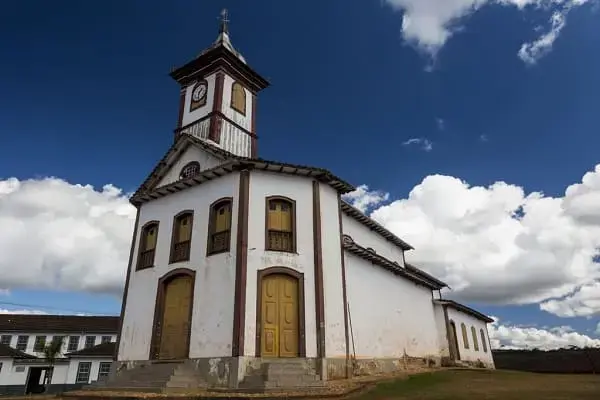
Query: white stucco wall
335,334
10,376
7,374
212,318
390,315
440,323
50,335
192,153
262,185
367,238
189,117
470,354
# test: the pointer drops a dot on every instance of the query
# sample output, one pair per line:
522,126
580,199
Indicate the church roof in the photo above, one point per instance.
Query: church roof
359,216
413,274
467,310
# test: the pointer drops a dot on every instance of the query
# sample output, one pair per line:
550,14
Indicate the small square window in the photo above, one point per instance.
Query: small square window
39,344
90,341
5,340
83,372
103,370
105,339
22,342
73,343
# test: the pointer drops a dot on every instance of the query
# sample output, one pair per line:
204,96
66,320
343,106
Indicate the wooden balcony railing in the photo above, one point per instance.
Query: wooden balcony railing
219,242
181,251
146,259
280,241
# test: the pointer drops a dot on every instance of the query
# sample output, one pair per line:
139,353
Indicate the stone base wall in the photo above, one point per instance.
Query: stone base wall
19,390
338,368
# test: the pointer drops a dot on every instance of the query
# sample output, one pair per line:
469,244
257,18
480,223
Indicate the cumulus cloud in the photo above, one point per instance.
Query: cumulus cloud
363,198
23,311
424,143
56,235
498,244
518,337
429,24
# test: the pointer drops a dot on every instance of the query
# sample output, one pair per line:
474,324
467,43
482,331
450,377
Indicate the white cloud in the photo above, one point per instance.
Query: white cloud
497,244
518,337
429,24
63,236
363,198
424,143
23,311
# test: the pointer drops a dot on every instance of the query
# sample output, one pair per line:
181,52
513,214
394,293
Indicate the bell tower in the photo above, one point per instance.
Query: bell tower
218,97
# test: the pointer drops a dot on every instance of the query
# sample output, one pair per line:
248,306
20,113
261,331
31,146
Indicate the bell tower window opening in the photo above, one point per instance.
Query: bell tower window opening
238,98
190,170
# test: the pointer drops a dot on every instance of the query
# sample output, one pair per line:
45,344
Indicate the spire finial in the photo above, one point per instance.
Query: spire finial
224,22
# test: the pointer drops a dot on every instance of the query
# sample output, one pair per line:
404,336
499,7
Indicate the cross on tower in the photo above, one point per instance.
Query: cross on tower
224,21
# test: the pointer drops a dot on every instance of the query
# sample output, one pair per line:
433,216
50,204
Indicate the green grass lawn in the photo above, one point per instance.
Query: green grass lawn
489,385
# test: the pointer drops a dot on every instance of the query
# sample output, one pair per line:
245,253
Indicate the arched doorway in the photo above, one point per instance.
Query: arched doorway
280,313
173,315
454,352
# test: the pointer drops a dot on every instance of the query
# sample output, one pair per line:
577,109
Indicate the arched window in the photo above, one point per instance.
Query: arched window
147,246
465,337
190,169
238,98
182,236
483,341
219,228
281,225
475,342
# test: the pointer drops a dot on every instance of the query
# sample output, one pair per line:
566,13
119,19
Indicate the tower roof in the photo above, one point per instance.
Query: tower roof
223,38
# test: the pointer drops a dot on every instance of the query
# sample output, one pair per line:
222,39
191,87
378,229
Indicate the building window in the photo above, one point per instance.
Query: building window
475,341
148,245
281,225
58,339
219,227
22,342
190,170
465,337
39,344
182,237
73,343
483,341
5,340
90,341
105,339
103,370
0,367
238,98
83,372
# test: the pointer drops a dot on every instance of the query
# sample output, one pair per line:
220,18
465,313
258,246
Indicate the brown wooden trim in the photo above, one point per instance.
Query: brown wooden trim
214,133
455,339
231,105
127,279
221,117
318,260
175,231
292,204
261,274
182,94
141,240
451,349
159,308
253,140
211,225
241,265
344,288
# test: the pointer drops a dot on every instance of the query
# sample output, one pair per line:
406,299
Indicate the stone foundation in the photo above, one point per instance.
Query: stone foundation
336,367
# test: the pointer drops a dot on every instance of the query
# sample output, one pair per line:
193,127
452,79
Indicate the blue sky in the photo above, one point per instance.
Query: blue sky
86,98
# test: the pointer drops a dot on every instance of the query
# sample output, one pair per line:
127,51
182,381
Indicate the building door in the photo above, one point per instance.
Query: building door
454,353
175,322
279,316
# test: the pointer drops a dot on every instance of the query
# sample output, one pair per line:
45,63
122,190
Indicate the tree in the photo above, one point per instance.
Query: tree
51,352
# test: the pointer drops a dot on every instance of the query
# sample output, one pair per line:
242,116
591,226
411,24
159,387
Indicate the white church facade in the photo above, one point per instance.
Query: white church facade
237,262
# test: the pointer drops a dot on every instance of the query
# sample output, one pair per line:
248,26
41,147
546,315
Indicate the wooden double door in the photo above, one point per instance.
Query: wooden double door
279,316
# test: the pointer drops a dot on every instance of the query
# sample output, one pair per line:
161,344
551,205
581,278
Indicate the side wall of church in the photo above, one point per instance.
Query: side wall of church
367,238
212,318
298,189
391,316
471,354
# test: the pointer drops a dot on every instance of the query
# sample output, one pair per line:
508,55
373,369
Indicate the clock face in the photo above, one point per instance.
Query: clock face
199,92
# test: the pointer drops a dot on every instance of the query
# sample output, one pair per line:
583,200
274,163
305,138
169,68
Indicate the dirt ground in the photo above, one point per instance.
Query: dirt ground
488,385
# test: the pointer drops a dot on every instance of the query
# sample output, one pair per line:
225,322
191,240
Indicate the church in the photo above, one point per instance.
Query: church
241,265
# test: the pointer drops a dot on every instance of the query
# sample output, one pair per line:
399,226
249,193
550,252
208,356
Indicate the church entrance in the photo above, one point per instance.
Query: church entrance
279,314
172,335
